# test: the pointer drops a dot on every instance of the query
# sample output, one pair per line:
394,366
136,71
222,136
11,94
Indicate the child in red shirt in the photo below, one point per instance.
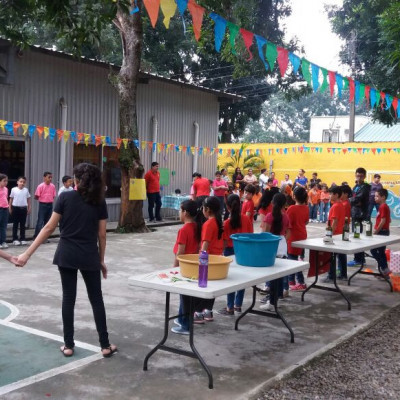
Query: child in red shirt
265,205
298,218
336,219
382,225
237,223
346,194
248,205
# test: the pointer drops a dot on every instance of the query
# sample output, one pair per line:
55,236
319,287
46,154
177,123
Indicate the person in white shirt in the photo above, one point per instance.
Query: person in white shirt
19,207
286,181
67,184
224,175
263,179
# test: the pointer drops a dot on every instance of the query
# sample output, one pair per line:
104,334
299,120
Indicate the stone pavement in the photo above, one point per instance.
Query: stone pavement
241,361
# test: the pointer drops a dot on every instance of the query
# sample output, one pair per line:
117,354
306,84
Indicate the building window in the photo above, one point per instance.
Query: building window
330,135
106,158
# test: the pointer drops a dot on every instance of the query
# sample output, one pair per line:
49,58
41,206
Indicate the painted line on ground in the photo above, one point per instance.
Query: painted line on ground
49,374
14,312
54,371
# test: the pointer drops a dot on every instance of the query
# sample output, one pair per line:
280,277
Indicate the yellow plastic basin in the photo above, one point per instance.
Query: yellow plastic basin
218,266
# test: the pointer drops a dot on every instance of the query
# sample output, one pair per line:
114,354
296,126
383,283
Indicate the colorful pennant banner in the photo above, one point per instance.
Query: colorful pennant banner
317,77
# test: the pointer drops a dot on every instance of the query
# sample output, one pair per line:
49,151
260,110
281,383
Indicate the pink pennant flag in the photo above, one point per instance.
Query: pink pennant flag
332,81
248,41
283,60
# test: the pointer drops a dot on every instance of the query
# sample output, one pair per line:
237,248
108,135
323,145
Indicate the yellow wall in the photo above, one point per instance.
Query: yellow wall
331,167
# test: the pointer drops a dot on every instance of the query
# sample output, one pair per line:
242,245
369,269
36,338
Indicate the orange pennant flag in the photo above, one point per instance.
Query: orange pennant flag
197,17
16,125
60,134
152,7
97,140
119,141
40,131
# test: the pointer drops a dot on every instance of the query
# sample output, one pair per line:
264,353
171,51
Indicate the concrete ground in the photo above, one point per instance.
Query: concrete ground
241,361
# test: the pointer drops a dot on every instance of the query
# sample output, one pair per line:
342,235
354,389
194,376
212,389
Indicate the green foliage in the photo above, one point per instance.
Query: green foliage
243,161
376,24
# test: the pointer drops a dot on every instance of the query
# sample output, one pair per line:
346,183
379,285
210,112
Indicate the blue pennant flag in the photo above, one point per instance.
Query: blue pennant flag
135,9
260,44
295,61
9,127
357,94
389,100
52,133
315,73
154,147
372,97
31,130
135,142
73,135
108,141
219,30
339,83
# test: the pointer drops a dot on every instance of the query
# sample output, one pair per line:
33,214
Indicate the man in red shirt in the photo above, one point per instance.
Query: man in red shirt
201,188
382,225
152,179
336,219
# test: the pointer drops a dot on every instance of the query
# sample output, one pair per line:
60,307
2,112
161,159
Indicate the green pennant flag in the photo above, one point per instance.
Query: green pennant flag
305,69
377,98
324,84
271,54
361,92
345,83
233,32
384,151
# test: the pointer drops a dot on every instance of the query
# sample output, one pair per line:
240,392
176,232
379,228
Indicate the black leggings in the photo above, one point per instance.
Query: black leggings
93,286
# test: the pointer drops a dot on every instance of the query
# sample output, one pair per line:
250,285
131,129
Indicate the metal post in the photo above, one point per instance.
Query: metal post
196,145
154,138
63,147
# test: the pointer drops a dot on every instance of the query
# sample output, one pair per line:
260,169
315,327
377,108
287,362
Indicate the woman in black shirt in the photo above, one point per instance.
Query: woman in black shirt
82,215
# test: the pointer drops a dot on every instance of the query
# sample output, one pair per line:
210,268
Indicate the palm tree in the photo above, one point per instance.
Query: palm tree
239,159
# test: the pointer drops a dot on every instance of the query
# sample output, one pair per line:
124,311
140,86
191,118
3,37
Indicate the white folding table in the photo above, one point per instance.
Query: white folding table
239,277
340,246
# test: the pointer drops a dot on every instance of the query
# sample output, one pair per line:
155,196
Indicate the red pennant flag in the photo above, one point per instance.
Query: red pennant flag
329,150
332,81
395,102
374,151
366,92
40,131
344,151
97,140
383,95
248,41
283,60
16,125
119,142
80,137
60,134
152,7
197,17
352,89
359,150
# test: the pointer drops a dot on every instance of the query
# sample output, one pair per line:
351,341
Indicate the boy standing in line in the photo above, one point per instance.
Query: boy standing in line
248,205
45,193
67,184
20,207
382,228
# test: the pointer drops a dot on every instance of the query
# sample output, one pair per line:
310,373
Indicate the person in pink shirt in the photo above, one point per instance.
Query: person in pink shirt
3,210
45,193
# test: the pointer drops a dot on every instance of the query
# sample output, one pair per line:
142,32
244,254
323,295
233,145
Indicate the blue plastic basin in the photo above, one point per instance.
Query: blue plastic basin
255,249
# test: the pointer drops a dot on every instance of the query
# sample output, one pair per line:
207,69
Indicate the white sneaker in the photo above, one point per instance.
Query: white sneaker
24,242
16,243
267,306
4,245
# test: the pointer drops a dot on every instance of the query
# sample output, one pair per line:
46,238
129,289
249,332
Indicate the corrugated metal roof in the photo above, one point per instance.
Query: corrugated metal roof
376,132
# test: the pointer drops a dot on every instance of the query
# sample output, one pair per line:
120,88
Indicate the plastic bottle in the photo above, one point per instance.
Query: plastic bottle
203,269
357,230
346,230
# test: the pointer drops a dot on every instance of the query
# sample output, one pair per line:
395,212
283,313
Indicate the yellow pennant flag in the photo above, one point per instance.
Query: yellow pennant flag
66,136
144,144
103,140
24,128
168,8
192,150
159,147
87,138
125,142
2,124
46,131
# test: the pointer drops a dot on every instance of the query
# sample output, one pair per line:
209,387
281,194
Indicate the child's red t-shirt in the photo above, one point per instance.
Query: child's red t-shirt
298,218
187,236
247,227
337,212
248,206
347,209
209,233
383,212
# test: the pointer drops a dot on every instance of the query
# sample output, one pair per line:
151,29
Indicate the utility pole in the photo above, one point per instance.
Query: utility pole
352,54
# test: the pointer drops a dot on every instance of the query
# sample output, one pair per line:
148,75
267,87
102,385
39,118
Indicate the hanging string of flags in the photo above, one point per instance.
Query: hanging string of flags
14,129
317,77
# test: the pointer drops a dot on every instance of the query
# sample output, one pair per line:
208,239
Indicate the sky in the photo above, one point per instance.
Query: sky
310,24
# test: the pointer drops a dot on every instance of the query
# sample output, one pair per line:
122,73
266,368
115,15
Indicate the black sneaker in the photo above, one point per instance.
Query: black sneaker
225,311
238,310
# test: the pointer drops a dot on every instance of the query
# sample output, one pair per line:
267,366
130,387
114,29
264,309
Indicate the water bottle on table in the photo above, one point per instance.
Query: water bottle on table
203,269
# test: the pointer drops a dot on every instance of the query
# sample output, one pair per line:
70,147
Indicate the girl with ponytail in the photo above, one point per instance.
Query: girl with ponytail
237,223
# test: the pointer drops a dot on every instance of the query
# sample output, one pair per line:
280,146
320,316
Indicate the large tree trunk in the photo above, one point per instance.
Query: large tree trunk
130,27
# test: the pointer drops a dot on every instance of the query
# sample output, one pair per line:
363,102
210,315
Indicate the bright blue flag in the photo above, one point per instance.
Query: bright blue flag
52,133
260,44
108,141
219,30
315,73
372,97
389,100
154,147
73,135
295,61
31,130
339,83
182,5
9,127
135,142
135,9
357,94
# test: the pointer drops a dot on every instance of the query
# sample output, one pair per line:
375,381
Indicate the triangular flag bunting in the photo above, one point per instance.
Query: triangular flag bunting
233,32
219,30
168,8
197,17
153,8
248,41
283,60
